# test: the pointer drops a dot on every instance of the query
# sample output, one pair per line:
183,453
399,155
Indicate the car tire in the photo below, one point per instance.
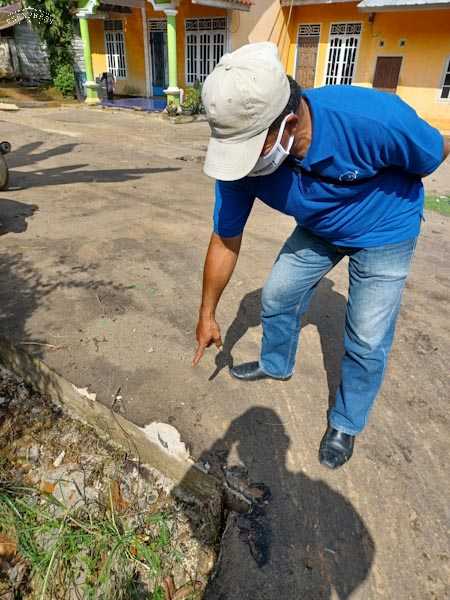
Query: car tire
4,175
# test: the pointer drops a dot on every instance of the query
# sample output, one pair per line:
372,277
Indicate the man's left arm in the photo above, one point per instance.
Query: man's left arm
410,143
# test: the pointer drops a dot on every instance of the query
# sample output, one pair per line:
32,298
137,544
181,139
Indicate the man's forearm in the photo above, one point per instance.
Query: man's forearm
446,146
220,261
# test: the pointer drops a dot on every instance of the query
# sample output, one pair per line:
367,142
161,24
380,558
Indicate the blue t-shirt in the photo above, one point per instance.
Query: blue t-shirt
359,184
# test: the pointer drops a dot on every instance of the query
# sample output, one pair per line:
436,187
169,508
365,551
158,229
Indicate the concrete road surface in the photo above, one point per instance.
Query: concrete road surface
104,232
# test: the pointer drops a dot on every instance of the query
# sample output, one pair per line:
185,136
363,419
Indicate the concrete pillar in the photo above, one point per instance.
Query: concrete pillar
148,92
173,91
90,85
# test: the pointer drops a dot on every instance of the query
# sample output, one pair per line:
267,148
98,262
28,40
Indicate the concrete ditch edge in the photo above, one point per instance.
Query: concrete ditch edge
184,474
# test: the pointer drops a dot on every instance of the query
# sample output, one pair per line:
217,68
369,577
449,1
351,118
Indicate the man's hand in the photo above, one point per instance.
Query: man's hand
207,333
219,265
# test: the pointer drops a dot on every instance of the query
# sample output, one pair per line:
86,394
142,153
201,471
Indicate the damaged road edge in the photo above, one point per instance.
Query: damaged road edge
182,474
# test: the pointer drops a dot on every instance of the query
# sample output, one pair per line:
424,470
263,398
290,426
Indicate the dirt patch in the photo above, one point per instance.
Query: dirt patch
22,95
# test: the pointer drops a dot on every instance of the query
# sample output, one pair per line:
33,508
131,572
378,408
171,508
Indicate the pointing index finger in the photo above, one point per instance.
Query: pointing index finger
198,355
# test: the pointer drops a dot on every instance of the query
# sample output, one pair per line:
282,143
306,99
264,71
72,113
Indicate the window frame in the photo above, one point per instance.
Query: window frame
190,78
360,34
122,32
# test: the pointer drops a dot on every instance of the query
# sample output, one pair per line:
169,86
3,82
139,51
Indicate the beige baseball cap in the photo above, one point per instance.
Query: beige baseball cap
242,97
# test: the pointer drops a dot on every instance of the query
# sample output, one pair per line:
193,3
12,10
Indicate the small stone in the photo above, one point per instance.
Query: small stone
152,497
58,460
33,454
8,107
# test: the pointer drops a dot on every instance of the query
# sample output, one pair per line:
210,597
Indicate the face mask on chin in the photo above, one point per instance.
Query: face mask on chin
269,163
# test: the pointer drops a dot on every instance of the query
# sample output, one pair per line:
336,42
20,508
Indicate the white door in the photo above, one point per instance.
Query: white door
342,53
205,45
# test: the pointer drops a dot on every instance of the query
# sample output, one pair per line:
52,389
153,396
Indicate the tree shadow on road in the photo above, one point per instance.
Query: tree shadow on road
26,155
326,312
302,542
23,290
14,215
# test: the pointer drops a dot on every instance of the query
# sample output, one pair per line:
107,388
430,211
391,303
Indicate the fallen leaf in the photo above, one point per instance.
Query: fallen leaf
8,546
120,504
47,487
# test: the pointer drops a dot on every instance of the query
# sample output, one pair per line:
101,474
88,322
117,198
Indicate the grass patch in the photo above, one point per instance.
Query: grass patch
87,552
440,204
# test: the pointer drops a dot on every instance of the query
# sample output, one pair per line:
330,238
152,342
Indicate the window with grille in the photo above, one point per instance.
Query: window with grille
445,93
307,47
115,48
342,53
205,46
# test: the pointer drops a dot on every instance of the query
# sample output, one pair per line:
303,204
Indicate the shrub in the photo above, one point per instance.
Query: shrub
192,101
172,109
65,80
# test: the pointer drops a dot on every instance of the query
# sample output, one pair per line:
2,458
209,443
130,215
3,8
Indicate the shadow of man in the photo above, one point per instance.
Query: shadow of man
326,312
300,540
28,154
248,315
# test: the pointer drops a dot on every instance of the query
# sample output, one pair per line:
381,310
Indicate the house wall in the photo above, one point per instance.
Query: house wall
97,39
186,10
425,55
135,84
326,15
31,53
427,48
266,21
134,52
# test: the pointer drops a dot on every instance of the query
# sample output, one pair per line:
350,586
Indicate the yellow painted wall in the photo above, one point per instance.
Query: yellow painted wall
266,21
135,83
427,50
97,38
427,35
134,52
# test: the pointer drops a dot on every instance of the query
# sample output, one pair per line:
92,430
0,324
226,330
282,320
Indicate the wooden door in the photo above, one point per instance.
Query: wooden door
387,73
306,60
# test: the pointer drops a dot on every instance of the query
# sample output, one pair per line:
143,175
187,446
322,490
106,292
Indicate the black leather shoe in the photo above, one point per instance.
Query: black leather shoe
336,448
251,372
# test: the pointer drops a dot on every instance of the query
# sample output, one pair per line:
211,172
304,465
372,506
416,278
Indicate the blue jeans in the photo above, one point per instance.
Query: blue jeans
377,278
